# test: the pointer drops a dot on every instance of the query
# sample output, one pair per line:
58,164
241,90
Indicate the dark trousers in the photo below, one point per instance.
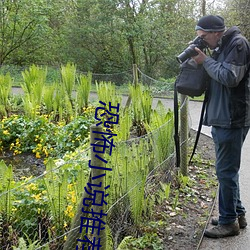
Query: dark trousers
228,145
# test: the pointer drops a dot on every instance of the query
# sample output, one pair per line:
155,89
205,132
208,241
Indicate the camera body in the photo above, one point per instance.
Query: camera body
190,51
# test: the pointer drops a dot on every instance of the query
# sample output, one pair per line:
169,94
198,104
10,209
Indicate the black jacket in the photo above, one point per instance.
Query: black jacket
229,90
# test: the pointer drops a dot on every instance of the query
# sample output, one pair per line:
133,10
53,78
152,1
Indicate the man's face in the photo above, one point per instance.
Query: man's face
211,38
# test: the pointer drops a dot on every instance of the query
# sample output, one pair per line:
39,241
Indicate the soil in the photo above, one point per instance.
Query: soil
187,222
24,164
180,219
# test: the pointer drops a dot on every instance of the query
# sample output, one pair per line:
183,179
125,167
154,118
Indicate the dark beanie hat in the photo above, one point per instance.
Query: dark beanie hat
211,23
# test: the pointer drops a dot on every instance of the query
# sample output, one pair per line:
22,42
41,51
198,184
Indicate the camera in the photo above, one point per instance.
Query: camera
190,51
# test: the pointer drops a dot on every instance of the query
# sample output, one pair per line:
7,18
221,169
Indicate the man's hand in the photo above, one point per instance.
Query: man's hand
200,58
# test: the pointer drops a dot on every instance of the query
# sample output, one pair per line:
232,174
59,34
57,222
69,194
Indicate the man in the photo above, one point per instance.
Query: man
228,112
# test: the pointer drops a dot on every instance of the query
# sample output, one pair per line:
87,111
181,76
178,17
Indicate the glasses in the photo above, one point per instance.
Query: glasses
203,36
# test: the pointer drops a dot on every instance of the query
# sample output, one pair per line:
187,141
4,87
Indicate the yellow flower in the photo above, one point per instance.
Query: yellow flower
6,132
73,199
17,152
45,151
31,187
38,155
14,209
69,211
37,196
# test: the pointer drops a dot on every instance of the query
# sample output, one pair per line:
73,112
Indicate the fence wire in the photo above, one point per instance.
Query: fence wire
47,203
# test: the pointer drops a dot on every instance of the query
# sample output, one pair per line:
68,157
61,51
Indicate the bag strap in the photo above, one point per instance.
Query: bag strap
199,127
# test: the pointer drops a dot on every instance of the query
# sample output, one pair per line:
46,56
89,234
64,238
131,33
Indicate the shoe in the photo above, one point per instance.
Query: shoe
241,219
221,231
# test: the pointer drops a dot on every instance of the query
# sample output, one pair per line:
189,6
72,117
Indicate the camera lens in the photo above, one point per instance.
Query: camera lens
187,53
190,51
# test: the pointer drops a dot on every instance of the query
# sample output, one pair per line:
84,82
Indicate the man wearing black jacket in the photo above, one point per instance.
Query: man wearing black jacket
228,112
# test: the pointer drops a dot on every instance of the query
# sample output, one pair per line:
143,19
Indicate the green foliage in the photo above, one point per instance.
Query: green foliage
141,110
52,197
56,187
5,90
176,199
129,171
22,245
125,123
106,92
103,36
48,98
165,190
29,206
43,137
23,25
184,181
83,91
6,184
33,85
161,128
68,74
147,241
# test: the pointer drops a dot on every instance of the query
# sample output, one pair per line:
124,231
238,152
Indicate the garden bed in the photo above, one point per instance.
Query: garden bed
185,224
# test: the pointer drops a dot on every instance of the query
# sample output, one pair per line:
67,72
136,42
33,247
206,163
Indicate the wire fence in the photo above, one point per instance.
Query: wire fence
161,87
48,203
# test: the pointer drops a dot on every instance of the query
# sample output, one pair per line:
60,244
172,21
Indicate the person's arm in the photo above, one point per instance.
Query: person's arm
232,70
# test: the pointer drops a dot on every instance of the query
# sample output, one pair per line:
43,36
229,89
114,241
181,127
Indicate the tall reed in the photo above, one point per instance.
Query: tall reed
68,74
56,184
83,91
5,90
6,184
160,129
48,98
129,164
62,106
106,92
141,106
33,86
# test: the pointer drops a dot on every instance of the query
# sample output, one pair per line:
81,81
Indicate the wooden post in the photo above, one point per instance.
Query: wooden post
135,82
184,135
135,74
74,234
98,172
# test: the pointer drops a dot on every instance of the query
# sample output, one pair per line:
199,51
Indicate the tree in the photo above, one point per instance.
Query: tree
20,22
237,13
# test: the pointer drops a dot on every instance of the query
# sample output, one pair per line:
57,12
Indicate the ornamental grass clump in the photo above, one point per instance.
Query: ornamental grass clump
5,91
83,91
33,85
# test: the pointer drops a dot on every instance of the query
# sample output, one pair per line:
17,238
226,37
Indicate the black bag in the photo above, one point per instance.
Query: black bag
192,80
